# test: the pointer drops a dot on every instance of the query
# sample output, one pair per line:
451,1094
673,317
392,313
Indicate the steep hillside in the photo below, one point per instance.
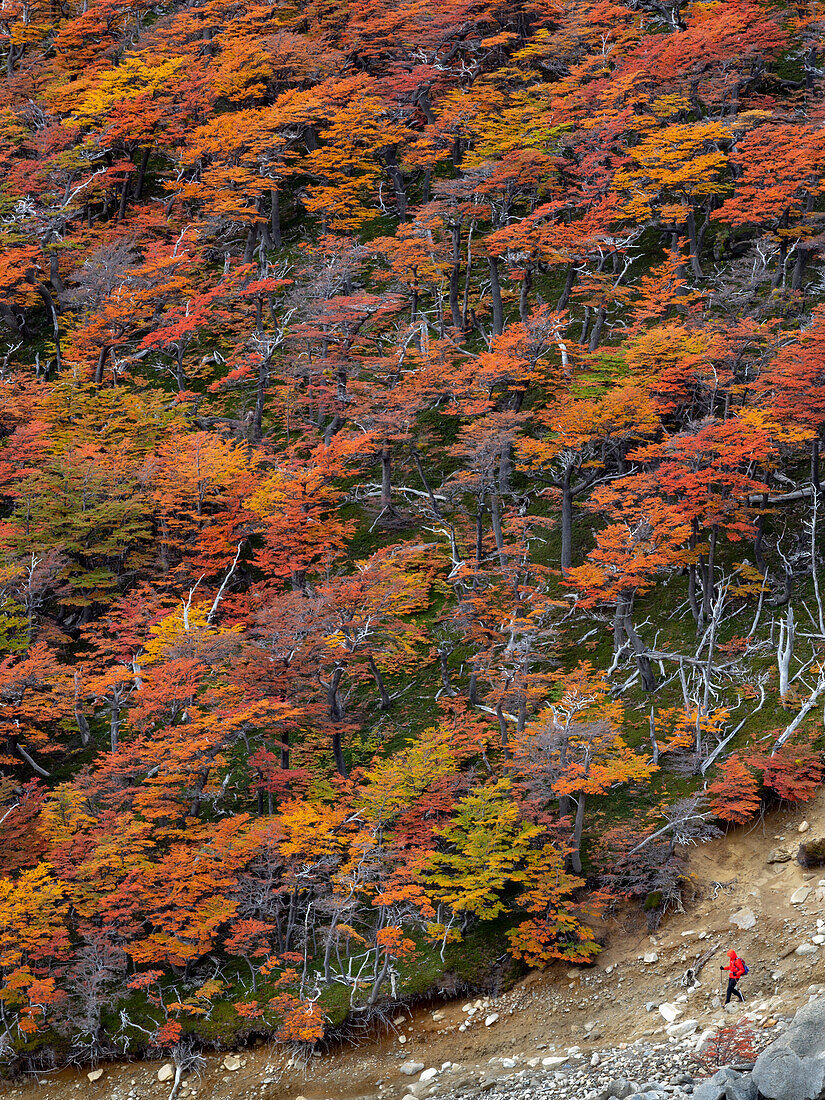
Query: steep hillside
610,1009
410,497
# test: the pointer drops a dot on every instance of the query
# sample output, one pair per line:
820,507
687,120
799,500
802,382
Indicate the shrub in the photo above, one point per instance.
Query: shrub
811,853
732,1045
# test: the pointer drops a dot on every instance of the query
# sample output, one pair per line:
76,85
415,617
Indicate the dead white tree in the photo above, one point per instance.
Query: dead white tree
784,651
807,707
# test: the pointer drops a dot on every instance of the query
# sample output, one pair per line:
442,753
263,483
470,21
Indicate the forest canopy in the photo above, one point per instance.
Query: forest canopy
410,427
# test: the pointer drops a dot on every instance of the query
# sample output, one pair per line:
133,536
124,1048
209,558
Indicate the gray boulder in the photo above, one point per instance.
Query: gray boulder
793,1067
727,1084
618,1089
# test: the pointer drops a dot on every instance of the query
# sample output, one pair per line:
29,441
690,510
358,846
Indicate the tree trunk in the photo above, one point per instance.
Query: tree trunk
124,198
386,701
596,334
568,287
784,651
495,514
578,829
386,476
710,569
251,242
815,465
524,294
397,180
695,266
49,302
495,292
275,218
443,657
566,522
144,164
502,725
472,689
455,273
260,400
643,663
337,715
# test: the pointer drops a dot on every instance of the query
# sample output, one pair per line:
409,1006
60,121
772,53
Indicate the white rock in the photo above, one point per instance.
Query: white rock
402,1039
682,1029
804,826
818,939
166,1072
509,1063
491,1019
743,918
650,957
438,1017
689,932
467,1008
462,1027
800,896
95,1074
409,1068
595,1058
670,1012
428,1075
806,949
554,1061
232,1062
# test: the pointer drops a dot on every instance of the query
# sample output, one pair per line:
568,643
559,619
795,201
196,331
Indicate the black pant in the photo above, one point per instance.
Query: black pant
733,991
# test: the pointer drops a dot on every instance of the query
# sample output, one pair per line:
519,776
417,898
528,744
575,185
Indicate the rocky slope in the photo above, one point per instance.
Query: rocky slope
627,1027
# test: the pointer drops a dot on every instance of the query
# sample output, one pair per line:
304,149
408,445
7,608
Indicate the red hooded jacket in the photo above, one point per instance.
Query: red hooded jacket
735,966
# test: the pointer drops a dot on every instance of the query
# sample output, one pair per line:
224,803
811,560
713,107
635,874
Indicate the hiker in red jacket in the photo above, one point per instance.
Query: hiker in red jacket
735,968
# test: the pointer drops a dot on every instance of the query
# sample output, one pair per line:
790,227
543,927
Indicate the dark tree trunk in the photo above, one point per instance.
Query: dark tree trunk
386,476
568,287
710,570
124,198
455,274
141,179
566,522
260,400
101,363
337,715
275,217
386,701
695,266
578,829
524,294
495,292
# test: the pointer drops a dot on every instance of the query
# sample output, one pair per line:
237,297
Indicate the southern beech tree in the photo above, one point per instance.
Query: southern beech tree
410,433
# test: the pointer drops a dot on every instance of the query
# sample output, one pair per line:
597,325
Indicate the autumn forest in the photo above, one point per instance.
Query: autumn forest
411,515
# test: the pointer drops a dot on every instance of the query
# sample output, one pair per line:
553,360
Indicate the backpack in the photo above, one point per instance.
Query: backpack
745,968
